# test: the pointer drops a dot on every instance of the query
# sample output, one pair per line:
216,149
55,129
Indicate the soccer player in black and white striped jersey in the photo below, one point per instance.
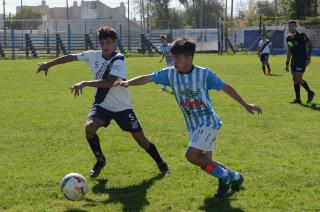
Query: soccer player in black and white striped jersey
110,103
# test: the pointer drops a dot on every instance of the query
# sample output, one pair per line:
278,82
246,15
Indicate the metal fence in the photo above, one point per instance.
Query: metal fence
37,38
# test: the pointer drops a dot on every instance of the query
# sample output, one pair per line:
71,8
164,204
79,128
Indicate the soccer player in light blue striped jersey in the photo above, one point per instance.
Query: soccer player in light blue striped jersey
191,85
165,51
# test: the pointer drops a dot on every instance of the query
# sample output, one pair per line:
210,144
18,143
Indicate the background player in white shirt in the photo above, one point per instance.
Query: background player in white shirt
110,103
265,47
190,85
165,50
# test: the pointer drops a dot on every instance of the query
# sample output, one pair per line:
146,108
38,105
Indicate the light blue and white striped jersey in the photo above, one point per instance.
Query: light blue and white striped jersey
192,94
165,50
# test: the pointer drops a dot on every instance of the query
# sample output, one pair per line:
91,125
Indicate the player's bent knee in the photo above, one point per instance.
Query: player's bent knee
90,129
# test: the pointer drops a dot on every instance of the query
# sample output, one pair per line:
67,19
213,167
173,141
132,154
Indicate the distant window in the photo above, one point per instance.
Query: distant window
93,5
110,17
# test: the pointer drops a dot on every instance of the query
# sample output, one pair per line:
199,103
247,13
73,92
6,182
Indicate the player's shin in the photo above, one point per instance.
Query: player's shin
94,144
162,165
218,171
153,152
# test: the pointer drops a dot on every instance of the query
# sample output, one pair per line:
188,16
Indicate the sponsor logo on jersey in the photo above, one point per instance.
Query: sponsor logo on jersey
189,93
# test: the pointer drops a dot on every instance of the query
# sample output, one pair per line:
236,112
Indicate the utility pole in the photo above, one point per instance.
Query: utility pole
226,28
69,30
147,16
226,10
231,10
201,13
143,21
129,47
4,24
21,23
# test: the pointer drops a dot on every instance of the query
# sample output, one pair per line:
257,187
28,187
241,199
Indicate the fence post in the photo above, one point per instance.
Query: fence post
13,44
120,37
219,36
27,46
48,42
69,39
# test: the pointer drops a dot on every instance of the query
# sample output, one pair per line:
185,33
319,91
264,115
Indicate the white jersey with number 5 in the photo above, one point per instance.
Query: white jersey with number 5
114,99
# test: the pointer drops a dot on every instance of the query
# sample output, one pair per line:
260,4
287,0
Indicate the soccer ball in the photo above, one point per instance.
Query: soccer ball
74,186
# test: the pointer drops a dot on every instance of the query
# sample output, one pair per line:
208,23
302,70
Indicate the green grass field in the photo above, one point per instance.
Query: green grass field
42,139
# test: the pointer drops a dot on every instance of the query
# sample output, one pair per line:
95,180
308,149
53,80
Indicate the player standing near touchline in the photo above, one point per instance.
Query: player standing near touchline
299,52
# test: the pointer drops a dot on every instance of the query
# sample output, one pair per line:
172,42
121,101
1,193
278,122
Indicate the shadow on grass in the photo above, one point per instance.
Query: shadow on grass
275,75
217,204
315,107
133,197
75,210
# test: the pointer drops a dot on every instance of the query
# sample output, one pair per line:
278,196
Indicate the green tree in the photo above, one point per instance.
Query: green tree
211,10
25,19
266,8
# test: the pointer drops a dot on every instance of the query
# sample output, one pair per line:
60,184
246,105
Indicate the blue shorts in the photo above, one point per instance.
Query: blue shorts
298,64
125,119
264,57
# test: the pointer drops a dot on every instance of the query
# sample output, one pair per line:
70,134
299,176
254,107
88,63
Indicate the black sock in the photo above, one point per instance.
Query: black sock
297,90
95,147
264,69
153,152
306,86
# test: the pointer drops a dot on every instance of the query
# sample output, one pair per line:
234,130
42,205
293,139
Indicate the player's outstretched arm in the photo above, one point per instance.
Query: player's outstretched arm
162,57
234,94
309,52
44,66
140,80
102,83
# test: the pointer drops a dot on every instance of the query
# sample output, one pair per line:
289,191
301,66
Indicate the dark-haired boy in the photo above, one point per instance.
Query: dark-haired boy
299,52
190,85
265,47
110,103
165,50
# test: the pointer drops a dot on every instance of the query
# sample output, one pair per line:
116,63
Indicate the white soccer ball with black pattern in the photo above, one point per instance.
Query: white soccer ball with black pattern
74,186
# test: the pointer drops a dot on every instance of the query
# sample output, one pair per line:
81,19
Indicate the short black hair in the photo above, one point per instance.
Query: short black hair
292,22
107,32
163,36
183,46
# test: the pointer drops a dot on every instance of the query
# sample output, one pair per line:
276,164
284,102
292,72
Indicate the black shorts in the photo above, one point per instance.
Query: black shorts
264,57
126,119
298,64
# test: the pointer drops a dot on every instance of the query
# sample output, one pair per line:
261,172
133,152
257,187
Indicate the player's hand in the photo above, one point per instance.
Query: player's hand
251,108
43,67
287,68
77,88
308,61
121,84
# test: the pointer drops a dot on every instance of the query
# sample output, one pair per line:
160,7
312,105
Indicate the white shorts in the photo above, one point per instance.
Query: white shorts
203,138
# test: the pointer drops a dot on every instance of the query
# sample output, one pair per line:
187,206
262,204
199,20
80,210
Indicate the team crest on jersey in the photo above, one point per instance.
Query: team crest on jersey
189,93
102,69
